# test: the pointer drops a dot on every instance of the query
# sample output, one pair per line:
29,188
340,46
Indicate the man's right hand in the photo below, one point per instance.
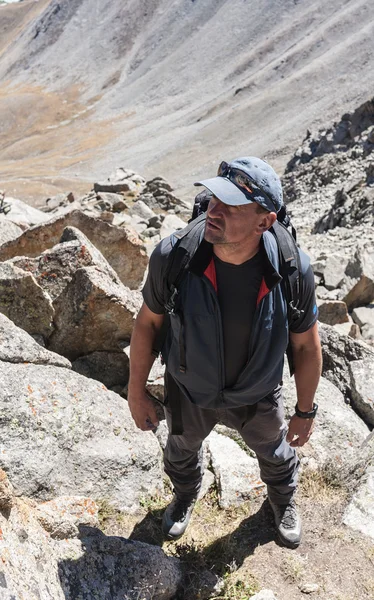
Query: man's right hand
143,411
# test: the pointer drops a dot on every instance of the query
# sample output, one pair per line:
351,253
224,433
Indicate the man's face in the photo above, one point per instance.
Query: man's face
227,224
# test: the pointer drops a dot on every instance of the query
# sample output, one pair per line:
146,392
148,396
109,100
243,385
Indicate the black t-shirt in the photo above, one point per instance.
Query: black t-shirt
238,287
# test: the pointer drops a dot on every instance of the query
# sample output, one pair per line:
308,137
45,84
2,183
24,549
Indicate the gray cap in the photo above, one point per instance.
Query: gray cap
266,188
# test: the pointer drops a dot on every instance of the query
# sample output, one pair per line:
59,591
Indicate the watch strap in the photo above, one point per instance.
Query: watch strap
307,415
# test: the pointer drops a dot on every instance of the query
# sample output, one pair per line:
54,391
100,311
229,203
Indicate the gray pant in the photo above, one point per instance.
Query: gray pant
261,426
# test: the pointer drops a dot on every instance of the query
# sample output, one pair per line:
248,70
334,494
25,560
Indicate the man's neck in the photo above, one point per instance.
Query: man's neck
236,254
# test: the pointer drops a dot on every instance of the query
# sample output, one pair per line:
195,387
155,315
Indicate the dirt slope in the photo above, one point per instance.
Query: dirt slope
172,88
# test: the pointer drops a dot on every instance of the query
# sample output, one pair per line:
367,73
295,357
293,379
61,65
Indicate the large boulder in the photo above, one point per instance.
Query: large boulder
16,346
237,473
362,377
8,230
93,313
361,284
121,246
55,267
339,432
332,312
55,551
23,214
111,368
64,434
338,351
359,514
24,301
121,180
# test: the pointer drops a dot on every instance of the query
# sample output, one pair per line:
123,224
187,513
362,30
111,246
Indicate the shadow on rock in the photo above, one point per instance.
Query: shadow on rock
115,568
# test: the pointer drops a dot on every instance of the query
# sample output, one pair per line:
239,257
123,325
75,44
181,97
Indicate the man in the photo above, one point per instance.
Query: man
225,347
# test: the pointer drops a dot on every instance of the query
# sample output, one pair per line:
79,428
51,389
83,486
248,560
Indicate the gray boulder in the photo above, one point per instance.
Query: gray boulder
121,180
93,313
16,346
364,315
24,214
362,377
338,351
24,301
361,290
111,368
55,551
237,474
339,432
334,271
170,224
121,246
8,230
65,434
359,514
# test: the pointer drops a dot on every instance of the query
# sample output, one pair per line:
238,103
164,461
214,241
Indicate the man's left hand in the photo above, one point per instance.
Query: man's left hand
299,431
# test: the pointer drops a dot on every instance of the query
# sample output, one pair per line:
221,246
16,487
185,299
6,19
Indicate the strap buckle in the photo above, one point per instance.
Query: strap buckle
170,304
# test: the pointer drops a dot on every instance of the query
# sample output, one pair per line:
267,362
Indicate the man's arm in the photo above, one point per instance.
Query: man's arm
307,355
146,327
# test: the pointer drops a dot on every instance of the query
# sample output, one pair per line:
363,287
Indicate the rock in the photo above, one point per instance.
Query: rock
264,595
54,268
362,378
350,329
364,315
332,312
38,565
113,202
93,313
309,588
334,271
22,213
24,302
237,474
359,515
16,346
338,351
362,292
8,230
58,200
368,334
121,180
141,210
65,434
62,516
339,431
170,224
111,368
121,246
6,492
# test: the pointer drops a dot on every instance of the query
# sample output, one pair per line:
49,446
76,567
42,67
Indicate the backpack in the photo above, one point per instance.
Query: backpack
186,242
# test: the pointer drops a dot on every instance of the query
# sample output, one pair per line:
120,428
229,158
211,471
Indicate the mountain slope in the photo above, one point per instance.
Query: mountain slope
173,87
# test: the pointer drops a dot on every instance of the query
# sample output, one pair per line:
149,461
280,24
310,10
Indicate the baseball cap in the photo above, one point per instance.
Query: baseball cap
245,180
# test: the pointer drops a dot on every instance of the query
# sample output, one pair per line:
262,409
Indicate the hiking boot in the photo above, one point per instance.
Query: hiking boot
176,518
288,523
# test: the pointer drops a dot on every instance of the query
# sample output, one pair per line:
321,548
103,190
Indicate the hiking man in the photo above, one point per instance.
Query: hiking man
228,329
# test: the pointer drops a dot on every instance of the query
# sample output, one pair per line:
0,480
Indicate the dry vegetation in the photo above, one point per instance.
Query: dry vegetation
239,545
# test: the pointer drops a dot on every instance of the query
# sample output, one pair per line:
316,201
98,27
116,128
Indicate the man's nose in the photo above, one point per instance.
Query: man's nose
215,207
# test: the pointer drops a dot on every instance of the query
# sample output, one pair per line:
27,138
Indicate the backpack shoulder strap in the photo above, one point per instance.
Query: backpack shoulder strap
290,270
185,243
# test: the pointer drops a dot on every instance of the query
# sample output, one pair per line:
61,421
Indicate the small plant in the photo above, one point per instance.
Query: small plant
293,568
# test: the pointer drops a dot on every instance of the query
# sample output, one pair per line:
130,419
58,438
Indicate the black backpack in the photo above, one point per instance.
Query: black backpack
187,240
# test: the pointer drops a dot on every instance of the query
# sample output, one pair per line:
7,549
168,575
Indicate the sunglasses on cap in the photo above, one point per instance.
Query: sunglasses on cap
245,184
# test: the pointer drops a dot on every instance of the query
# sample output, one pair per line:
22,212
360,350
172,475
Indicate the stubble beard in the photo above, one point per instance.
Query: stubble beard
215,237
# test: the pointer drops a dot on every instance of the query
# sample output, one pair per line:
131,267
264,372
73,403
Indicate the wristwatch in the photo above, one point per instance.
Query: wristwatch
307,415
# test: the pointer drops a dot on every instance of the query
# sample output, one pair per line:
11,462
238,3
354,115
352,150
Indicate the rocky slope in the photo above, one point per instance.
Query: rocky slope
171,89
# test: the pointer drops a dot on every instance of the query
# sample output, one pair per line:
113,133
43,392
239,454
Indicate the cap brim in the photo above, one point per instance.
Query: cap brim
225,190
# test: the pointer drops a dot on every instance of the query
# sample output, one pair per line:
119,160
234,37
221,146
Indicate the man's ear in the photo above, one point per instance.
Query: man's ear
268,220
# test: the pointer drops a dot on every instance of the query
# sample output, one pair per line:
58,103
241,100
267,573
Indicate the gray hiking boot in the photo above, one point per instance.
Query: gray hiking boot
176,518
288,523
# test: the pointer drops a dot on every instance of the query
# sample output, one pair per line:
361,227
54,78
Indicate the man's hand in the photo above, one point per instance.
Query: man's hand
299,431
143,411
